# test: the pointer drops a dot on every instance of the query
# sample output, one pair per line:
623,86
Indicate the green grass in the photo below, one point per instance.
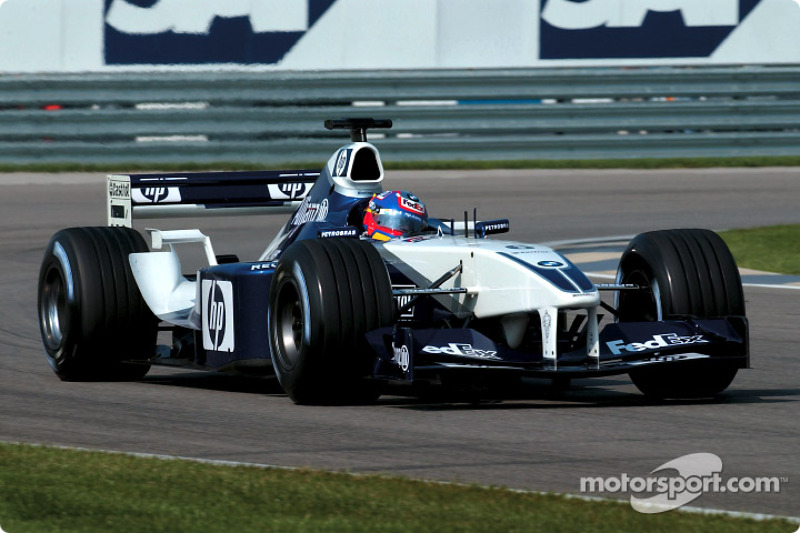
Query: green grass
772,249
639,163
46,489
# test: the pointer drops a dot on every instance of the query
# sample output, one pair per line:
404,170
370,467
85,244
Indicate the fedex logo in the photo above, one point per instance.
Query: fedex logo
658,341
208,31
595,29
410,205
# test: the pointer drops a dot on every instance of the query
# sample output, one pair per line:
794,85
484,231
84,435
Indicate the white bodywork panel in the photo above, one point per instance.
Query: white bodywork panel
497,285
168,293
502,281
344,170
160,238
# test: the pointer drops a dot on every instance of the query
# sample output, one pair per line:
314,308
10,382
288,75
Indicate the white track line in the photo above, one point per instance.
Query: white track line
767,286
620,238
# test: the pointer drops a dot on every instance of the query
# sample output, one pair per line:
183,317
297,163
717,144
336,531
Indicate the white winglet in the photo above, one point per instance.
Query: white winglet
160,238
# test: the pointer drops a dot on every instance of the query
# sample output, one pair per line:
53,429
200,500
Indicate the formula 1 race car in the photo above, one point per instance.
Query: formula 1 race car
361,287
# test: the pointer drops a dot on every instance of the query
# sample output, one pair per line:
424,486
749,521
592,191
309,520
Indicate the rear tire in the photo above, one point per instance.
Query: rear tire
325,295
684,273
92,317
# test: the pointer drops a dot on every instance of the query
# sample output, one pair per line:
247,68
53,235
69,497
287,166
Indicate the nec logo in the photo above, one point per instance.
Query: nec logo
210,31
629,29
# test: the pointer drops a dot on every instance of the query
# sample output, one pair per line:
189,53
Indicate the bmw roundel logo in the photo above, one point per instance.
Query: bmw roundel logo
550,264
341,163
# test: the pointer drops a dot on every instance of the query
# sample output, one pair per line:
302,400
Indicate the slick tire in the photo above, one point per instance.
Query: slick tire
684,273
325,295
92,318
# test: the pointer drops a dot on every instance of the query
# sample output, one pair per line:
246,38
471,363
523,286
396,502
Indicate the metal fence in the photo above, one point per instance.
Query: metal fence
276,117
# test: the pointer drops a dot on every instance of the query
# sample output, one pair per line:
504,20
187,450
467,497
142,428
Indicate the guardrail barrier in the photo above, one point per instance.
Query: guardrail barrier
272,117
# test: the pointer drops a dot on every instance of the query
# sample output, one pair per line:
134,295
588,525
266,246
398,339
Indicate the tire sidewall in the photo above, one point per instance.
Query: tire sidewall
291,277
652,298
60,262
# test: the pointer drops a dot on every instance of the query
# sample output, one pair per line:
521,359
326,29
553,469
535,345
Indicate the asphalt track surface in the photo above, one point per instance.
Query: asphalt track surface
544,440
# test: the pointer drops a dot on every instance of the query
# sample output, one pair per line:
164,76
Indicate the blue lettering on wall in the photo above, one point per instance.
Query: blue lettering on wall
222,31
632,29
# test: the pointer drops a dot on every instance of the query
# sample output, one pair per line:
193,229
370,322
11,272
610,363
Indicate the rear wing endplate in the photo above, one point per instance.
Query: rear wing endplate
147,196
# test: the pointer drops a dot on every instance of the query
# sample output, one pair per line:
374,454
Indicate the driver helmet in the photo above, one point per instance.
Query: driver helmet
393,214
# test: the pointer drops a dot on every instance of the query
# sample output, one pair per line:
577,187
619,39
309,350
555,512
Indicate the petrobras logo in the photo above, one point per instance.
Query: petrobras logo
336,233
208,31
663,340
631,29
496,227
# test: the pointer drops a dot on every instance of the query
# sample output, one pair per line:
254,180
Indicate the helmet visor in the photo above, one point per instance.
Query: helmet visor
400,221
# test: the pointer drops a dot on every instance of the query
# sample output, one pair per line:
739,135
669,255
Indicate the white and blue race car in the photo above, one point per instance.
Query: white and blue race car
336,314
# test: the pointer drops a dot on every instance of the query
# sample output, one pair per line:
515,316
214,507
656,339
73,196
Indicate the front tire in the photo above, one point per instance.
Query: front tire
325,295
92,317
684,273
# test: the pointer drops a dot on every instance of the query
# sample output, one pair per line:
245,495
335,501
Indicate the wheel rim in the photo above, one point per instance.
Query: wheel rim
53,308
289,325
643,305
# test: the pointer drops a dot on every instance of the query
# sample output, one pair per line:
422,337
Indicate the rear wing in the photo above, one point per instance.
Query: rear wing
173,195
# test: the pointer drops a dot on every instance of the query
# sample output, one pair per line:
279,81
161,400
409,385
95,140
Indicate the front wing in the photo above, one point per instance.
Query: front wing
407,354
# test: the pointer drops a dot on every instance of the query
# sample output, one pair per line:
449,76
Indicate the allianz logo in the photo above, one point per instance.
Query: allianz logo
574,15
173,15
